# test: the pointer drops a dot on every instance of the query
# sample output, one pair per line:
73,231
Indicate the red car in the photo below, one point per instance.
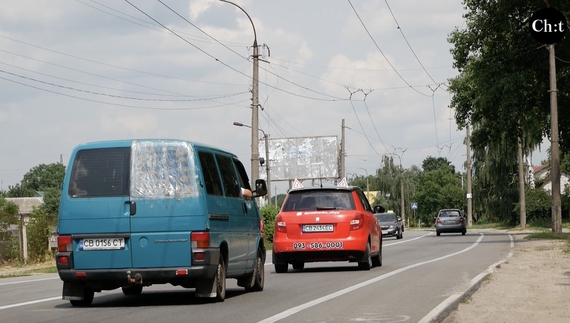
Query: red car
326,224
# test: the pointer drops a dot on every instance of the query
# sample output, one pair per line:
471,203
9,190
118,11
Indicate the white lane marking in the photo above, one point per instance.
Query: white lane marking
28,281
383,245
408,240
29,303
341,292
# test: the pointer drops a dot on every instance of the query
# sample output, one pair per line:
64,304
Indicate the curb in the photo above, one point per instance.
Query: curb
440,312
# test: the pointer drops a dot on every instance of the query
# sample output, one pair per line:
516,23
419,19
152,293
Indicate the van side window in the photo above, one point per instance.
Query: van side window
242,174
100,172
229,177
210,172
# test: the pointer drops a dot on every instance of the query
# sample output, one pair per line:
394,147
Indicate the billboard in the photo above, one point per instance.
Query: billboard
301,158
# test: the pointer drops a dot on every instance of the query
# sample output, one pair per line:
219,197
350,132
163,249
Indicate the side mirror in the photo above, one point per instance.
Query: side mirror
399,219
260,188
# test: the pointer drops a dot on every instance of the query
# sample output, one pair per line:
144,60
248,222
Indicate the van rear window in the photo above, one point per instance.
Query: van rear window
100,172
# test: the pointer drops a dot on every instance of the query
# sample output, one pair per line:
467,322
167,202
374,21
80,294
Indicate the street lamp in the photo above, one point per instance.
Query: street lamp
254,105
266,137
402,208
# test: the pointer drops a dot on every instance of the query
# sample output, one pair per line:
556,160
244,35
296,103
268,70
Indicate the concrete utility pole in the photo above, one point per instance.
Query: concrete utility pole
469,194
254,104
554,146
522,200
402,207
342,152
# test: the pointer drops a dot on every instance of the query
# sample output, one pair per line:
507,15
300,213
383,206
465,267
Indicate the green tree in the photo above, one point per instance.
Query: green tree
432,163
436,190
8,216
20,191
44,176
502,91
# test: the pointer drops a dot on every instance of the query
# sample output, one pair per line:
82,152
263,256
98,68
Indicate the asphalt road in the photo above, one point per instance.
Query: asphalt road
419,272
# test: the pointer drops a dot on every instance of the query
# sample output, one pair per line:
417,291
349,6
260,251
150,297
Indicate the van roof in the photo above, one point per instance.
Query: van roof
129,142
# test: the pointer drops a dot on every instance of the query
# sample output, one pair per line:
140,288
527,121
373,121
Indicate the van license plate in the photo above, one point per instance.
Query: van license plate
318,228
103,244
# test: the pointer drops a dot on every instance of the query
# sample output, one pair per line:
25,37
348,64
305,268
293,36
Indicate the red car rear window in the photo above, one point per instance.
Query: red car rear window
308,200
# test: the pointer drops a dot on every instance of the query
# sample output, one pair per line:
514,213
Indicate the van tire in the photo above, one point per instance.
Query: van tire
132,290
220,280
88,296
258,273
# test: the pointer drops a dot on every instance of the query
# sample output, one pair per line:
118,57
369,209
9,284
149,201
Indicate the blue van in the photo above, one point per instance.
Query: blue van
134,213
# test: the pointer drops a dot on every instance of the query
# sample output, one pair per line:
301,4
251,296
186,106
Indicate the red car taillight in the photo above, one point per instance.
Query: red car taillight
200,239
438,220
64,244
357,222
280,225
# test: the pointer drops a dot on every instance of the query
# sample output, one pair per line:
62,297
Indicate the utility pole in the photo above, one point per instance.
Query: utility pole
469,194
266,136
254,104
522,201
554,146
402,207
342,151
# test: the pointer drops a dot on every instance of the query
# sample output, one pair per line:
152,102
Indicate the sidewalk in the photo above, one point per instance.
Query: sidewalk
12,271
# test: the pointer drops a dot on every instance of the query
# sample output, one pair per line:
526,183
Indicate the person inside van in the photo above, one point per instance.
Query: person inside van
245,193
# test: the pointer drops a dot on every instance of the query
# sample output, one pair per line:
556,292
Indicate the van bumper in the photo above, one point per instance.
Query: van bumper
108,278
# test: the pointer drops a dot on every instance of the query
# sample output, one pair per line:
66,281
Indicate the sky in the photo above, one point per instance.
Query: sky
76,71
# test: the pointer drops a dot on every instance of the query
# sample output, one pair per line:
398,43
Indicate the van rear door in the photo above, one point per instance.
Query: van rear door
96,207
168,204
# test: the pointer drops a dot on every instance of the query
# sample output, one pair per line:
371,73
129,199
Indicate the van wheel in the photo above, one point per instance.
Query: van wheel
88,295
366,262
132,290
438,233
258,273
220,280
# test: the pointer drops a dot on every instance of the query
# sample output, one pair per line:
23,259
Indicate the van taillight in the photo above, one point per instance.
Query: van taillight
357,222
438,220
64,243
280,225
200,239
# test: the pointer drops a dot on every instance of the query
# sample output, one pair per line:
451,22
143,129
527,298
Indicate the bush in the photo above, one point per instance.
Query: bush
12,250
268,213
38,234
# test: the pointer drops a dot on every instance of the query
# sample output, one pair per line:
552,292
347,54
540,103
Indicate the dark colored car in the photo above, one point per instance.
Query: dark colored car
326,224
450,220
391,224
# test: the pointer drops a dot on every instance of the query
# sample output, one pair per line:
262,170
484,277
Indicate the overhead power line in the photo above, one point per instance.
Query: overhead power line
334,98
118,96
123,105
407,42
381,52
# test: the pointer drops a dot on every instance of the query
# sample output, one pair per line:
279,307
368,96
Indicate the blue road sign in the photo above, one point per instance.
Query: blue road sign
414,206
